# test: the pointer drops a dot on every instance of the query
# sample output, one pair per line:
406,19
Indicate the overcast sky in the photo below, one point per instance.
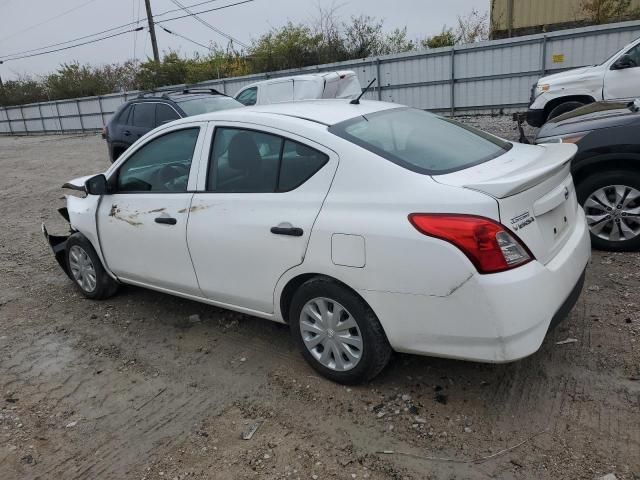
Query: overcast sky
30,24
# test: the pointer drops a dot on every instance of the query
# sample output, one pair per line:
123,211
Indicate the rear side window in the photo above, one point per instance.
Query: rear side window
299,163
165,114
248,96
123,116
144,115
248,161
420,141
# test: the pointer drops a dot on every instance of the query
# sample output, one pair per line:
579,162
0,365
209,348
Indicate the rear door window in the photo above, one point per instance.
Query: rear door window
420,141
165,114
144,115
249,161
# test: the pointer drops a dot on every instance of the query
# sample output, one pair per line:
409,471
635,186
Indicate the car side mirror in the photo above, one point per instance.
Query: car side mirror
625,61
96,185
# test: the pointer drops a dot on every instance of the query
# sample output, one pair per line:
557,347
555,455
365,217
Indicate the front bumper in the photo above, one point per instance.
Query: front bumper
535,117
494,318
58,245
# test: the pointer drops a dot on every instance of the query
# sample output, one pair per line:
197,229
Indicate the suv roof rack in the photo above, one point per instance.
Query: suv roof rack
164,93
212,91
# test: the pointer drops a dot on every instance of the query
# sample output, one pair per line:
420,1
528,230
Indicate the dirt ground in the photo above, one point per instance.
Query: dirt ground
132,388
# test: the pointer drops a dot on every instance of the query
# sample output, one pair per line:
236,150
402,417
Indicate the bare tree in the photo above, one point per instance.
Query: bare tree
473,27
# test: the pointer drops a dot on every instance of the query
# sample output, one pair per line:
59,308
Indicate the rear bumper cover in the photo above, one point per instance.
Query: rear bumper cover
494,318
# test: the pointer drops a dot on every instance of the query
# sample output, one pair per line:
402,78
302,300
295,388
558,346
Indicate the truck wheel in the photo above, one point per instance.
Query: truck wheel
611,201
564,108
337,332
87,271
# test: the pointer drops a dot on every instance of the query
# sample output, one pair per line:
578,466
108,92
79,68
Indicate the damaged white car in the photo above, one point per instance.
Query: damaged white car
367,227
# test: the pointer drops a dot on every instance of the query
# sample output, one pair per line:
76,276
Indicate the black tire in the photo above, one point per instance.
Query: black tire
376,351
586,187
105,286
564,108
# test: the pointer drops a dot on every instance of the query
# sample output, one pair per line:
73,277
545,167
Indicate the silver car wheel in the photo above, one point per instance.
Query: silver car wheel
331,334
613,213
82,268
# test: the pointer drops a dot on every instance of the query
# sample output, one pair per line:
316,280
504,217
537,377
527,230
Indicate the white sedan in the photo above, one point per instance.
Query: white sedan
367,228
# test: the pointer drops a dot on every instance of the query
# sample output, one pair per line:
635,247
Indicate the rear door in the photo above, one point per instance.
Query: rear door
534,191
252,217
141,121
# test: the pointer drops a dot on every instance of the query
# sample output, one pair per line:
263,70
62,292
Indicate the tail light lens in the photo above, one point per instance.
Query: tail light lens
490,246
104,132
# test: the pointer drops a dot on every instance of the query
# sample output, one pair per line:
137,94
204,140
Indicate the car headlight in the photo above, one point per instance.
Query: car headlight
569,138
541,88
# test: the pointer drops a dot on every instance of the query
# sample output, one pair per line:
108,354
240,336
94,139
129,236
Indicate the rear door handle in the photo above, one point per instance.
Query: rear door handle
291,231
126,133
166,220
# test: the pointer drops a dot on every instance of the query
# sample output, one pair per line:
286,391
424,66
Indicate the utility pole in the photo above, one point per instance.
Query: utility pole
152,32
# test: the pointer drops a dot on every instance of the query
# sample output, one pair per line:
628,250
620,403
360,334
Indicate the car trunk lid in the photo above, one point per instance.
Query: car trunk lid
534,191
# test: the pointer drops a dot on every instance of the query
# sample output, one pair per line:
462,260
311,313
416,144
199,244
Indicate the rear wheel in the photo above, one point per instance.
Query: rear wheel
87,271
564,108
611,201
337,332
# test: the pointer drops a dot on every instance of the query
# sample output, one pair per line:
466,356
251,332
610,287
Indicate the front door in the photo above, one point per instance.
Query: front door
624,84
142,225
252,222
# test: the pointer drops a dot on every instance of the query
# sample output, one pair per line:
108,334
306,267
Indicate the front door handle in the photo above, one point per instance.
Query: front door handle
166,220
291,231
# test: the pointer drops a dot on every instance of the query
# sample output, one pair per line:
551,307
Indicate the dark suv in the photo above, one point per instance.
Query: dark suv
137,117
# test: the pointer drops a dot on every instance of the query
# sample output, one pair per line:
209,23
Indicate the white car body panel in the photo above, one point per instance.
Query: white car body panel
428,296
341,84
598,82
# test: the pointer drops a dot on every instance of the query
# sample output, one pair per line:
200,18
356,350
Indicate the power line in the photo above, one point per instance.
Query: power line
62,14
182,36
208,25
76,45
6,56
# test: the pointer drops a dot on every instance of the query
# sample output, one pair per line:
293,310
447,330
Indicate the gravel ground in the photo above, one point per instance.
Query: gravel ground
133,388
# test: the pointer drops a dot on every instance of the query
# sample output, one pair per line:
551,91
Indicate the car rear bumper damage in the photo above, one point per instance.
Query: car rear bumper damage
493,318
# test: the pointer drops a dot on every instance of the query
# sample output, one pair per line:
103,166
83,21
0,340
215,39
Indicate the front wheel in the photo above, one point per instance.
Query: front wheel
564,108
337,332
86,270
611,201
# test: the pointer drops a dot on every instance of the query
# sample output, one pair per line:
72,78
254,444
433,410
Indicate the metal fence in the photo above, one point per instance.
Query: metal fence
489,77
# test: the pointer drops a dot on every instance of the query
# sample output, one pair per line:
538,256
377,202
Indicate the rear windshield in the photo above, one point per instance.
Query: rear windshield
196,106
420,141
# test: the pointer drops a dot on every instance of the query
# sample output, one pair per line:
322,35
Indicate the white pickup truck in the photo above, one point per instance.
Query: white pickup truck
618,78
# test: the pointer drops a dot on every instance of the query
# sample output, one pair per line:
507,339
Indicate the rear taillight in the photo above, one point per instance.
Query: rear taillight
491,247
104,132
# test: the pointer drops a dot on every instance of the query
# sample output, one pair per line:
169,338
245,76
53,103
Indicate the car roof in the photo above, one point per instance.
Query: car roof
326,112
318,76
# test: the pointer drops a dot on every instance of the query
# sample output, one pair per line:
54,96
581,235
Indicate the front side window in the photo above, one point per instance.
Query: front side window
420,141
144,115
248,96
161,165
248,161
634,53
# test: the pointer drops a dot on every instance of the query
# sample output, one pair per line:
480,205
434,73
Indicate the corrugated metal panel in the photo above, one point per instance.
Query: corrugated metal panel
489,77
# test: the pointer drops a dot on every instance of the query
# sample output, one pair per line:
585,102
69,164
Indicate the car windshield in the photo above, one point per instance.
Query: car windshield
196,106
420,141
